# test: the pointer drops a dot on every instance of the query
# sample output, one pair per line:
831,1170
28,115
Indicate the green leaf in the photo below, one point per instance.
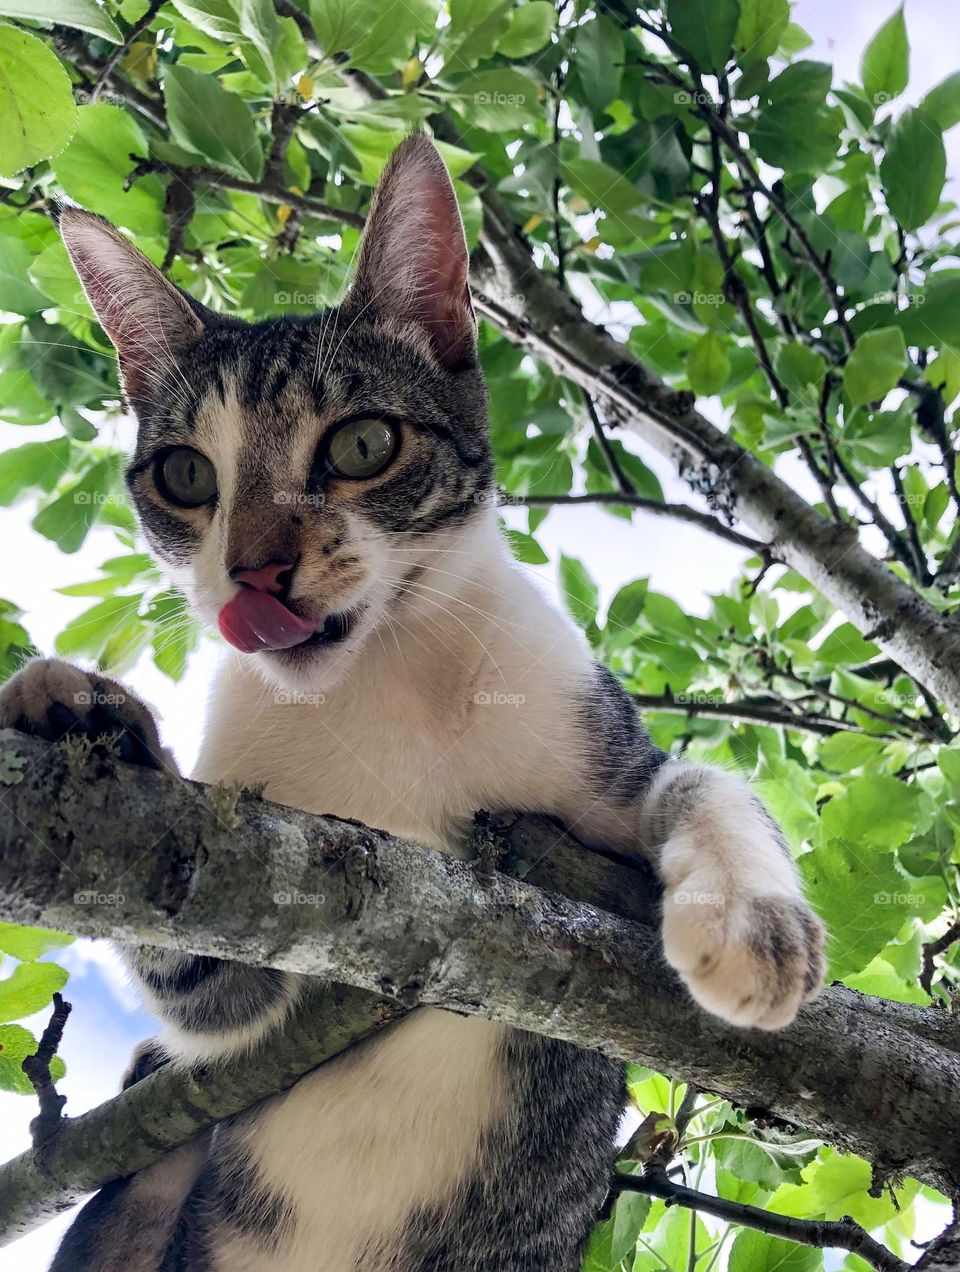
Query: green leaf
530,29
873,812
597,69
885,66
754,1251
796,130
875,365
35,466
29,988
28,943
526,549
277,40
914,167
213,123
17,293
705,28
797,365
16,1043
94,167
67,518
90,632
579,590
85,15
498,99
942,103
708,367
37,112
761,24
865,898
376,34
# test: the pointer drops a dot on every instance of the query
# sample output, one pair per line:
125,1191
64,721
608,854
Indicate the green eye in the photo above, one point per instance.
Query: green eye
186,477
361,448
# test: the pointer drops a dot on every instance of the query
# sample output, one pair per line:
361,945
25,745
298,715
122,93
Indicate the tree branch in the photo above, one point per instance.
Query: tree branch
680,512
841,1234
423,928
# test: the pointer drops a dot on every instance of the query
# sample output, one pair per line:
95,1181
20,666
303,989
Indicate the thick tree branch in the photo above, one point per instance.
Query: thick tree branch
98,848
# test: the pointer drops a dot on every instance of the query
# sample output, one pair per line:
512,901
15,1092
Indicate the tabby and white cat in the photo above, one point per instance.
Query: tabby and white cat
321,489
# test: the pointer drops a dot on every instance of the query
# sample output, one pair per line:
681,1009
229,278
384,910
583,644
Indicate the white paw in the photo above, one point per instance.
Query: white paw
51,699
749,958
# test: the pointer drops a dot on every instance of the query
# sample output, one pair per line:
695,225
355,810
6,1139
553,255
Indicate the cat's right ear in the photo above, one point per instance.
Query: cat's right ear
148,320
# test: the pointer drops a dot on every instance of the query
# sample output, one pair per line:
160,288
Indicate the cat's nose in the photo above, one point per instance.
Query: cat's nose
274,577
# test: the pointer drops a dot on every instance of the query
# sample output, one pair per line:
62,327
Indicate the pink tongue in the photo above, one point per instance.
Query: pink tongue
256,620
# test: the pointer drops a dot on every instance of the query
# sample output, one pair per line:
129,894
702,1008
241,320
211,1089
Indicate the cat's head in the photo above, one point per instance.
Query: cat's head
298,475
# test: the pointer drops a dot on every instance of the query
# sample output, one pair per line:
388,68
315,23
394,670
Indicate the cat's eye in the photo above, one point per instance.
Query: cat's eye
361,448
186,477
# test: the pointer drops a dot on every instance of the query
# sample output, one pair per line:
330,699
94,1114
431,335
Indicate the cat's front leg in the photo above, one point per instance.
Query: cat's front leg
736,925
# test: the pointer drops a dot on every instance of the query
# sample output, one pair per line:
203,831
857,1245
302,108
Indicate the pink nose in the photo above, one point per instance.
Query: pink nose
266,578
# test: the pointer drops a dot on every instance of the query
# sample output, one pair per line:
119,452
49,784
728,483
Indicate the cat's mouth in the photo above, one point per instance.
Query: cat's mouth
257,622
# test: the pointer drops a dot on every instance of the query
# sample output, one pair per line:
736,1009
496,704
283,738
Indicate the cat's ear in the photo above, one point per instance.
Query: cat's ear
148,320
413,260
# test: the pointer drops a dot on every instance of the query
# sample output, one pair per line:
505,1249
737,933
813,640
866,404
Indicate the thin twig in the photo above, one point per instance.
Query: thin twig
840,1234
37,1069
934,948
680,512
121,50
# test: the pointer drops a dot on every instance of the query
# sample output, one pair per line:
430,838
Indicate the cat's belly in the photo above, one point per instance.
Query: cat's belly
362,1143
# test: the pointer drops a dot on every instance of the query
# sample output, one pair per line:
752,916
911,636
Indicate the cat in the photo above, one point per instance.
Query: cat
321,488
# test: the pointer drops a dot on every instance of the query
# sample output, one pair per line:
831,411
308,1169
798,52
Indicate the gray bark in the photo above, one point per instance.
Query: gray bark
195,868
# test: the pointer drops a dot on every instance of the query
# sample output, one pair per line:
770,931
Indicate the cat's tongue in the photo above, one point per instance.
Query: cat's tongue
256,620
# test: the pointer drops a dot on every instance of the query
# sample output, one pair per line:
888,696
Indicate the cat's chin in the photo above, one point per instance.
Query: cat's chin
313,667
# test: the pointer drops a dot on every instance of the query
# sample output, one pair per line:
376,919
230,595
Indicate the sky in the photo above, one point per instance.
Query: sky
680,560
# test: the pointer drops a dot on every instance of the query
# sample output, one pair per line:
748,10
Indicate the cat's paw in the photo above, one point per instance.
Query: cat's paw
148,1056
748,958
51,699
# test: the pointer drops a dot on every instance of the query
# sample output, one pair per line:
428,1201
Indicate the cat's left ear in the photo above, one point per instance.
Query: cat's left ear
148,320
413,259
